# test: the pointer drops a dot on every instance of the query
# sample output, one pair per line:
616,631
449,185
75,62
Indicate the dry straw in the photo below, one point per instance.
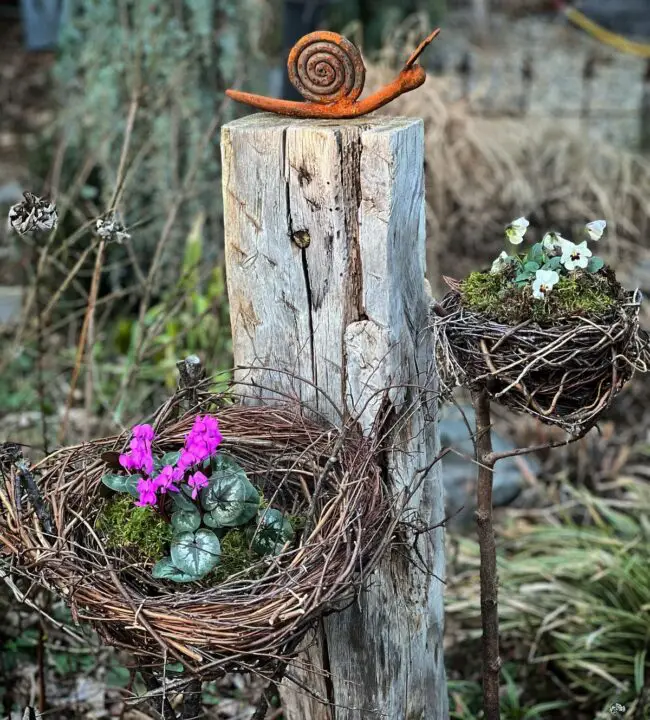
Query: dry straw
250,621
564,374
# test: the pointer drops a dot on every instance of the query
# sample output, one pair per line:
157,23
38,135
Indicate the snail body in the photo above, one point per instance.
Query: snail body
328,71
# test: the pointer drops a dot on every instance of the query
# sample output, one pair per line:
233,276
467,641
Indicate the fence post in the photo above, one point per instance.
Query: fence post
325,264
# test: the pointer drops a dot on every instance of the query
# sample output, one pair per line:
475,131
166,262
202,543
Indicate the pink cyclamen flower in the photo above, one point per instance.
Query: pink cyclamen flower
196,482
139,456
143,432
201,443
147,492
165,480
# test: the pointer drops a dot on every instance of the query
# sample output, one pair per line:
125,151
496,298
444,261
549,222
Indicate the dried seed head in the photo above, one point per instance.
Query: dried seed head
33,215
110,228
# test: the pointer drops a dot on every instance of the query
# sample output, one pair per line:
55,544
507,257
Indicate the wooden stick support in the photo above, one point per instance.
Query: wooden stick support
325,264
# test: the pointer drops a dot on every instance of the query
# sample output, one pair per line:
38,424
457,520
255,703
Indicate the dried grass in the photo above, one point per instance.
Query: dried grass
481,173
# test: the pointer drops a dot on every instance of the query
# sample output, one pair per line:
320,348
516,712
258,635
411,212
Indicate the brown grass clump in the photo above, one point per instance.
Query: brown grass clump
482,172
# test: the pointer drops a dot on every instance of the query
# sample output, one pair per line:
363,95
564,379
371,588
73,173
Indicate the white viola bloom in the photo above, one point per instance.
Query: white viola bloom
554,241
544,282
596,229
501,263
575,256
516,230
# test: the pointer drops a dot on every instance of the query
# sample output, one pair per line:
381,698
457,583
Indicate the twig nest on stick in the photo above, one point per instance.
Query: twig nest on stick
247,621
564,369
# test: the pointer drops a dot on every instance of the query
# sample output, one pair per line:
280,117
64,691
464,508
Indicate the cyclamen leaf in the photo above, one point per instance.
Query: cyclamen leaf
524,277
186,520
272,532
122,483
169,458
195,553
595,264
165,569
230,498
182,500
531,267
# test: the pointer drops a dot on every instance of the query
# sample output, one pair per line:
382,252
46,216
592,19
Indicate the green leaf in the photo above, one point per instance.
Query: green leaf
595,264
531,267
183,500
536,254
272,532
524,276
169,458
186,520
553,263
166,570
213,523
196,553
230,498
122,483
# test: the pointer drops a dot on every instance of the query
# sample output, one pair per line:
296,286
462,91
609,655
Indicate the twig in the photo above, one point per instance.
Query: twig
163,706
272,687
40,506
40,662
487,544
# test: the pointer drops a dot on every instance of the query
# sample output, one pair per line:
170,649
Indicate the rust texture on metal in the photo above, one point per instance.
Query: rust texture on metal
328,71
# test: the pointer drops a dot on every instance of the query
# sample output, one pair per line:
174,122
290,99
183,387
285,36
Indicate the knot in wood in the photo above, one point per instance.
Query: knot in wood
301,238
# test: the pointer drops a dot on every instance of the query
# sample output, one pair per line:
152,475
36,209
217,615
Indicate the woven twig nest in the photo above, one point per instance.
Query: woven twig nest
565,373
244,622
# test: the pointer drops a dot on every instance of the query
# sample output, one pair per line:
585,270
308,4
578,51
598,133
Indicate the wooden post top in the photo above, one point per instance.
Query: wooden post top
259,121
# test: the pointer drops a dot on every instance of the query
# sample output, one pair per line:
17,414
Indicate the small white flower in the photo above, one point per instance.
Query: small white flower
516,230
595,229
554,241
575,256
500,263
544,282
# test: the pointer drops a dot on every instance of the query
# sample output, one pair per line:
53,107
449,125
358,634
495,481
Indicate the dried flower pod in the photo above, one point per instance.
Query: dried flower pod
110,228
33,214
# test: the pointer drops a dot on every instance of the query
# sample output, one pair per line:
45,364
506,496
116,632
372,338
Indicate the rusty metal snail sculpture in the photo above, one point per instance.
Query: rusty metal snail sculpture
328,71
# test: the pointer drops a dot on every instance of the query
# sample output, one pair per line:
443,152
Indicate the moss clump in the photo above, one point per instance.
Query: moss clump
124,525
581,293
236,557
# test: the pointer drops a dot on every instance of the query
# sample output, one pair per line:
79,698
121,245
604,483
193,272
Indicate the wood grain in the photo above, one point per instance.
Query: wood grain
325,264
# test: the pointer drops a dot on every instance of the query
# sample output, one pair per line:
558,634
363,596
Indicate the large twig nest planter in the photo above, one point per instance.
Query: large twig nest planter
247,621
564,373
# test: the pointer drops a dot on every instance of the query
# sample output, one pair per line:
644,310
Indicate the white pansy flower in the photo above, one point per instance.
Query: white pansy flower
552,241
501,263
516,230
595,229
544,282
575,256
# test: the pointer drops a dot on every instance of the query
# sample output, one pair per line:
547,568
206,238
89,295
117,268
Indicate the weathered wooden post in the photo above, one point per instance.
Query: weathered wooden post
325,262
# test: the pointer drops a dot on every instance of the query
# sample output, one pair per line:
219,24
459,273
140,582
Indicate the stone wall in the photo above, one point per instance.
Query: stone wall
543,67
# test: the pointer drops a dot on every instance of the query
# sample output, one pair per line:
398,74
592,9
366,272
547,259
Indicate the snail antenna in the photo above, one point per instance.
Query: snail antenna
419,49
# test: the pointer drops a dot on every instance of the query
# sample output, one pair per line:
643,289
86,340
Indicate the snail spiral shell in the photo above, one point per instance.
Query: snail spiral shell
325,68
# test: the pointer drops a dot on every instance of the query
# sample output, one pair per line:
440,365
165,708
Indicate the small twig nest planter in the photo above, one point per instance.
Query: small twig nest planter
244,623
564,374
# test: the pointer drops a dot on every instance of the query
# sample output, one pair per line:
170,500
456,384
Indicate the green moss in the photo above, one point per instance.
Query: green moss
124,525
581,293
236,557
